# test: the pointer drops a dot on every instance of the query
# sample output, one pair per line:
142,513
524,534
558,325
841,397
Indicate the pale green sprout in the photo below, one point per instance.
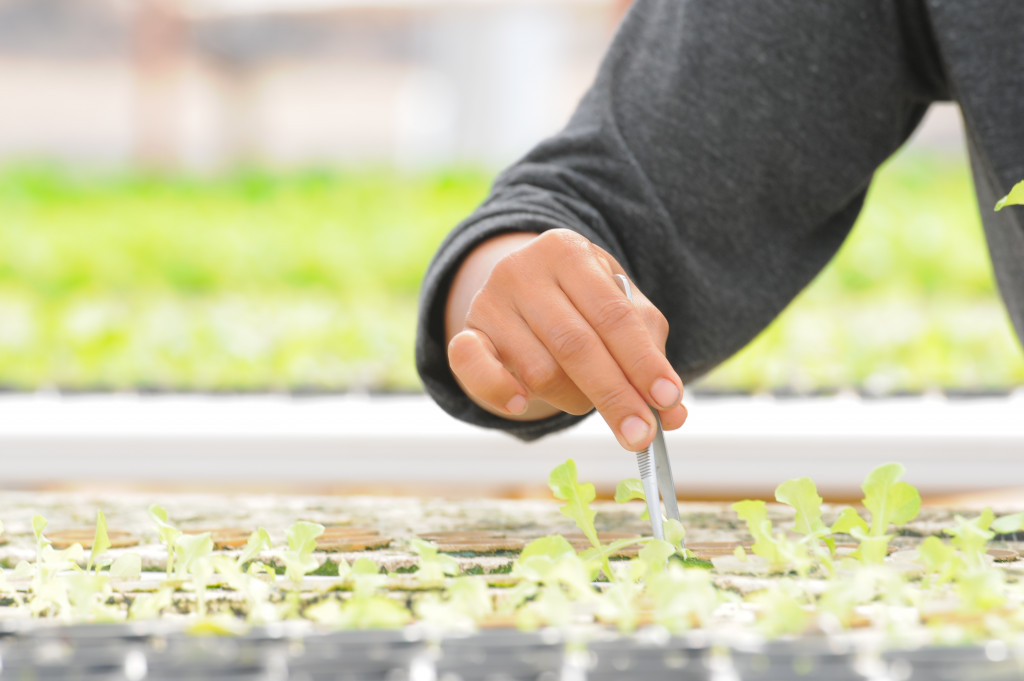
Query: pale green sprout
802,495
259,541
151,605
127,566
577,497
298,559
254,590
683,598
941,562
1015,197
39,524
464,603
87,594
551,607
631,489
652,559
365,608
1008,524
619,604
100,542
553,561
433,565
778,552
167,532
781,610
190,551
971,537
890,502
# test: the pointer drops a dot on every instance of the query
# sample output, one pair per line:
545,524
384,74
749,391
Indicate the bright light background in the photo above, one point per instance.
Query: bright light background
242,195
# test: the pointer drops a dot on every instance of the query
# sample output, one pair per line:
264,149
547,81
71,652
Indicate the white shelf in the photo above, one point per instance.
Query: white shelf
728,446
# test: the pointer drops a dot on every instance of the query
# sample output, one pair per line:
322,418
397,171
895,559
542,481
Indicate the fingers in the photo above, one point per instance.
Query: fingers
625,332
476,366
581,352
549,326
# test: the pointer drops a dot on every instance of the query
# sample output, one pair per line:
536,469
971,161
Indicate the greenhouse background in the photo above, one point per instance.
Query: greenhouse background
204,202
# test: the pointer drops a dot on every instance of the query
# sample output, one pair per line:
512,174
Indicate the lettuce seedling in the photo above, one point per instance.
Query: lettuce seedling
890,502
39,524
552,561
365,608
168,533
1008,524
464,603
802,495
682,599
780,553
87,595
259,541
298,559
1014,198
577,497
433,565
631,489
100,541
127,566
971,537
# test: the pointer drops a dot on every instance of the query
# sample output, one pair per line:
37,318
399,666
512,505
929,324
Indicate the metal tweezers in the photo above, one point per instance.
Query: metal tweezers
657,478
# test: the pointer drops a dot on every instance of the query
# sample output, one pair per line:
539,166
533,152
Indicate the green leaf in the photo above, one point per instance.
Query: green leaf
298,559
802,495
628,490
434,566
755,513
259,541
1008,524
565,486
100,542
302,537
1014,198
168,533
128,566
890,501
654,557
971,536
780,612
938,558
39,524
848,520
675,533
191,548
550,547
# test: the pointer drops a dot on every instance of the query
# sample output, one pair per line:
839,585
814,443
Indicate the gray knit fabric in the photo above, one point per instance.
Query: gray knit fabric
724,152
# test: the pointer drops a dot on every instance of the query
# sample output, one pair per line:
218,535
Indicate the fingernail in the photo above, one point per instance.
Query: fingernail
635,430
517,405
665,393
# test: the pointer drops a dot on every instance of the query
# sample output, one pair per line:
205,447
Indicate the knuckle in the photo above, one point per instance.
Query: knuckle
613,313
645,363
657,323
563,242
616,399
486,304
569,342
541,378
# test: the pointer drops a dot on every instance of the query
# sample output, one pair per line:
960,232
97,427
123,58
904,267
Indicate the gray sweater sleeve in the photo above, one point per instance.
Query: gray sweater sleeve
720,156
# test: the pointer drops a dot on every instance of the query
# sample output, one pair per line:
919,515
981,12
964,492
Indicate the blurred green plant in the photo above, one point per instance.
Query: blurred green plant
309,280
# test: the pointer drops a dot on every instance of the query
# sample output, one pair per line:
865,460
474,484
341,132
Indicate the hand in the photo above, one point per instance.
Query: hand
538,324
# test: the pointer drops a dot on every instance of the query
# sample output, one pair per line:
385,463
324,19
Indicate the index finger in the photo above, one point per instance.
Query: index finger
608,306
